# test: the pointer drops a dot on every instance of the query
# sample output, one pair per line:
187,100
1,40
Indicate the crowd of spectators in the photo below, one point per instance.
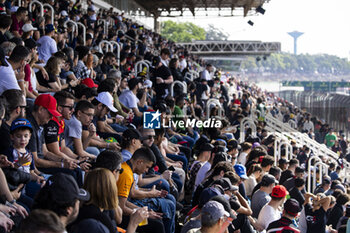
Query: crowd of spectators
76,157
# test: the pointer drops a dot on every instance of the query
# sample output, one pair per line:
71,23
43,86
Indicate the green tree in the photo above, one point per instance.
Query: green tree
214,33
182,32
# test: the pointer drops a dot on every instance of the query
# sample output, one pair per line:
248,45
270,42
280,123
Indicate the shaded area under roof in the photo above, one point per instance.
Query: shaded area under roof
157,6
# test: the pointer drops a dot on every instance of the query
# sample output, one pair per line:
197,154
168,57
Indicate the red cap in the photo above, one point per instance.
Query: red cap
279,191
49,102
89,82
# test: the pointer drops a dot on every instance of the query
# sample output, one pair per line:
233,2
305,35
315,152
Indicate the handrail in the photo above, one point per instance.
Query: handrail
40,4
216,102
105,25
118,50
246,121
322,166
139,66
52,12
84,31
109,46
75,25
183,84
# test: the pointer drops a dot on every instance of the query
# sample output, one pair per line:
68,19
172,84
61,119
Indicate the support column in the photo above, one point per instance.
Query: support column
156,23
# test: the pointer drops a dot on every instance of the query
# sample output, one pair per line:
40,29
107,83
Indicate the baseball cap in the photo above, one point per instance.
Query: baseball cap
225,183
64,188
268,179
21,123
131,134
212,211
206,195
64,13
49,28
148,83
222,200
49,102
89,82
206,147
232,144
241,171
30,43
279,191
291,206
326,180
133,82
2,58
28,27
155,61
106,99
91,8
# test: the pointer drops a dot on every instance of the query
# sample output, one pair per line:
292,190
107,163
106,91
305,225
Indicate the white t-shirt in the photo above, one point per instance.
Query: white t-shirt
268,215
250,184
183,64
46,47
202,174
129,99
205,75
8,78
242,158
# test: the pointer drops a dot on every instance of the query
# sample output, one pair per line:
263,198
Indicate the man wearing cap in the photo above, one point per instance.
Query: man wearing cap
46,44
203,156
242,173
129,99
270,212
44,109
103,104
54,130
61,195
214,218
162,78
262,196
285,223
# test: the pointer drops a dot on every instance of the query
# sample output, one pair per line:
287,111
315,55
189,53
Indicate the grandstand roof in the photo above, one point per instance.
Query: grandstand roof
157,6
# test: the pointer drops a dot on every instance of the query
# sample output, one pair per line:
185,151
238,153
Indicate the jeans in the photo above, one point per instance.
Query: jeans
92,150
76,173
119,128
160,184
162,205
181,158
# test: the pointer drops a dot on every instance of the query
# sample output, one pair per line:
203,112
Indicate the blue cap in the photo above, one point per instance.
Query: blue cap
241,171
21,123
49,28
206,195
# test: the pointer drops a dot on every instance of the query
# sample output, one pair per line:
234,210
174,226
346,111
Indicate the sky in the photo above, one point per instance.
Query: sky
325,23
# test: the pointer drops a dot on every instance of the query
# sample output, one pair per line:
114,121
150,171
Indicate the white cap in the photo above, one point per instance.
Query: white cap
64,13
28,27
106,99
148,83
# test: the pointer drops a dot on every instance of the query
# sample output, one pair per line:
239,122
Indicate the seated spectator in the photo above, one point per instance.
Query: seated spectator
214,218
253,175
61,195
17,61
262,196
129,99
84,113
5,24
140,162
285,223
270,212
41,221
338,210
80,70
18,20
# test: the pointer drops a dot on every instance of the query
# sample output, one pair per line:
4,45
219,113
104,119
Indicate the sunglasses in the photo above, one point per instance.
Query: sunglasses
149,137
69,107
120,170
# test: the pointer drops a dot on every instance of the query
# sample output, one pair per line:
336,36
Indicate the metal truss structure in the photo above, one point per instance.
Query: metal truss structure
204,48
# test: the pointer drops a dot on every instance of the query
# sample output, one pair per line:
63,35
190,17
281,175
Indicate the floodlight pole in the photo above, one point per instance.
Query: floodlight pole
295,35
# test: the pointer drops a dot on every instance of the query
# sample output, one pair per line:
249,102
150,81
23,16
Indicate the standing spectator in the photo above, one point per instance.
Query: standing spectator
330,138
293,164
46,44
338,210
316,213
162,78
296,191
206,73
